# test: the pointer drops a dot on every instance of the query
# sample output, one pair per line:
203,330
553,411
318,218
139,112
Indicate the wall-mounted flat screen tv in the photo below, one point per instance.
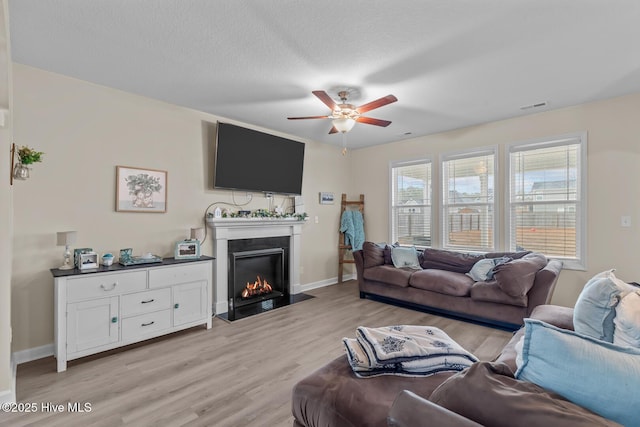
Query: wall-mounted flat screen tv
249,160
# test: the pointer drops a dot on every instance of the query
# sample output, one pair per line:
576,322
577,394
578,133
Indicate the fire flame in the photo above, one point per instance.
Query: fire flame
259,287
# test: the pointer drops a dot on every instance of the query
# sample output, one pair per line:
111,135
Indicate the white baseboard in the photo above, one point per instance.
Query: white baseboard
24,356
321,284
9,396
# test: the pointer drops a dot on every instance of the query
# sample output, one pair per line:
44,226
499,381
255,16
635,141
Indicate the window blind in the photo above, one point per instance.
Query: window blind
468,202
411,203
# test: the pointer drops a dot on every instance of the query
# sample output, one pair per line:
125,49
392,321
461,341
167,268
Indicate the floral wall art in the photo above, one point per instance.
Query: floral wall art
141,190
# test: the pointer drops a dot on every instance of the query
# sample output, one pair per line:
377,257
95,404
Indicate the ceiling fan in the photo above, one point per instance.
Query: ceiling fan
344,116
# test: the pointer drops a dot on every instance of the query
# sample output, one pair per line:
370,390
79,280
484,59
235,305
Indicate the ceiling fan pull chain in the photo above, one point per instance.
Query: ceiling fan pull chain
344,143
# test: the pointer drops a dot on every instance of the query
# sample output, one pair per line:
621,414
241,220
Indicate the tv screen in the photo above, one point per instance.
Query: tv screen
249,160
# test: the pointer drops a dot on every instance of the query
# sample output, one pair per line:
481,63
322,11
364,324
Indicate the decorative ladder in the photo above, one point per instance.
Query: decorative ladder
342,247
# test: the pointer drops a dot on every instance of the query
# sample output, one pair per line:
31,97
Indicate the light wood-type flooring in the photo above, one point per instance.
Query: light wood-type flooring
235,374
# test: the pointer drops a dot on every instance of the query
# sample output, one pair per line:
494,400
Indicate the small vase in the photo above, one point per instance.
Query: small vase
20,171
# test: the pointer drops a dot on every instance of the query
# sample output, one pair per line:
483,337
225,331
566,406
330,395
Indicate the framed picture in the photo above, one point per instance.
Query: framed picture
326,198
88,260
79,251
141,190
187,249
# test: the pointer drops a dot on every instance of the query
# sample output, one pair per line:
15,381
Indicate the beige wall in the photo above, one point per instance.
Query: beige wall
86,130
613,128
6,375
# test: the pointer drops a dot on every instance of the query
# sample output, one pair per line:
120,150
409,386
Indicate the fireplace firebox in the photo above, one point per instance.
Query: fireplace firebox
258,275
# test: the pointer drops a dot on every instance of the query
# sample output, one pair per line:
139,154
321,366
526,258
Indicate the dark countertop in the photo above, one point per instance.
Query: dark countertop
56,272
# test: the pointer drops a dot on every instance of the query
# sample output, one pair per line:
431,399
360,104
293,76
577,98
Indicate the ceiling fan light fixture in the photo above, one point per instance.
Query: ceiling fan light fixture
344,124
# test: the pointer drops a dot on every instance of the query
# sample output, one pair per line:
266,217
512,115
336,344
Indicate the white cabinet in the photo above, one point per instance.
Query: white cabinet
113,307
92,324
188,302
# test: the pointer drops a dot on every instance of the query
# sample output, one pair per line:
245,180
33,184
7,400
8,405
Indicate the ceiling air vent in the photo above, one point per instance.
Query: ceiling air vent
536,105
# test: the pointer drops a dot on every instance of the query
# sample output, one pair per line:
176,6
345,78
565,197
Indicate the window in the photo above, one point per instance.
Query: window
546,200
411,201
468,202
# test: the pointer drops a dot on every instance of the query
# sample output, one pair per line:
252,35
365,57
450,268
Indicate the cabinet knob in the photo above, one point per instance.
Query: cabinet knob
114,320
176,305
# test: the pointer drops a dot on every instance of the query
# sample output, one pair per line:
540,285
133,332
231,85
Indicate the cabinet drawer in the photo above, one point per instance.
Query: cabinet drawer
160,277
105,285
135,328
145,302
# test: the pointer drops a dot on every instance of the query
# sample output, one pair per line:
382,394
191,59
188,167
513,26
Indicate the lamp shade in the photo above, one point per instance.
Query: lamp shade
67,237
344,124
197,233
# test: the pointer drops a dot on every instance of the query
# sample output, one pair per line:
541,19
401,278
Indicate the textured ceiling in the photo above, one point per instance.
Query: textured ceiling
451,63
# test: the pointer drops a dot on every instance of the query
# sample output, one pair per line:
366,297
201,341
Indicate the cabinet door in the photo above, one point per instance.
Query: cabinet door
189,302
92,324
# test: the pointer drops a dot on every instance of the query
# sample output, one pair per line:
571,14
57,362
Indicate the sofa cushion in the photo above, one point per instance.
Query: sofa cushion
627,321
373,254
441,281
387,253
594,374
483,269
403,256
517,277
594,311
458,262
492,292
487,393
389,274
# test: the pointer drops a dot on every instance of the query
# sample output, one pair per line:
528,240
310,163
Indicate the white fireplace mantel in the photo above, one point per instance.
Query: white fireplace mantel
225,229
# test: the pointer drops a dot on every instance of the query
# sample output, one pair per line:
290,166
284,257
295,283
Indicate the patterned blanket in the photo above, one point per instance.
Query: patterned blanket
407,350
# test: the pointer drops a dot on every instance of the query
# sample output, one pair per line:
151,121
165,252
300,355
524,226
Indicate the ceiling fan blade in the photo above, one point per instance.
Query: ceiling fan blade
372,121
376,104
308,117
333,130
324,97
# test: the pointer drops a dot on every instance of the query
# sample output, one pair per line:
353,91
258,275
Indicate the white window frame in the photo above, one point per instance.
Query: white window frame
443,215
401,163
580,263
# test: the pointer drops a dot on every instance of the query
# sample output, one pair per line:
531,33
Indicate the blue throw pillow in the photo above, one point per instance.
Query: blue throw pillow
403,256
599,376
481,269
594,311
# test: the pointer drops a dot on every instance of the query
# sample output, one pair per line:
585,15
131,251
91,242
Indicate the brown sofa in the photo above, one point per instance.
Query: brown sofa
487,393
441,285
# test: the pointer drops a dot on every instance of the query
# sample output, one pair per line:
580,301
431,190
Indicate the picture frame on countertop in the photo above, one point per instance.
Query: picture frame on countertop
88,260
141,190
187,249
76,255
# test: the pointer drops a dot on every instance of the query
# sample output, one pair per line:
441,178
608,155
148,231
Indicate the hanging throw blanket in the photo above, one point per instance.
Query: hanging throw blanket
352,225
407,350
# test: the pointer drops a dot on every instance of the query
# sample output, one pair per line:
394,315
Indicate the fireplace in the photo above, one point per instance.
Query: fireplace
227,230
258,275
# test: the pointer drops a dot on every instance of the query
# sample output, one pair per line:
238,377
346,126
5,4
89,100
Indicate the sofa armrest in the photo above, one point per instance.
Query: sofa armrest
411,410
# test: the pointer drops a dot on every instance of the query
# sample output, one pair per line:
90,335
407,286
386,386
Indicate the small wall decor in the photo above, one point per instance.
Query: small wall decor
187,249
326,198
26,156
141,190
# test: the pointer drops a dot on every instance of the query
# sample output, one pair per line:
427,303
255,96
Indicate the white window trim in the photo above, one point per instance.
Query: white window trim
552,141
463,154
400,163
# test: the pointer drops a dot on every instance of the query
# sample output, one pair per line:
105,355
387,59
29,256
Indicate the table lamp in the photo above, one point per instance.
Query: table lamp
66,238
